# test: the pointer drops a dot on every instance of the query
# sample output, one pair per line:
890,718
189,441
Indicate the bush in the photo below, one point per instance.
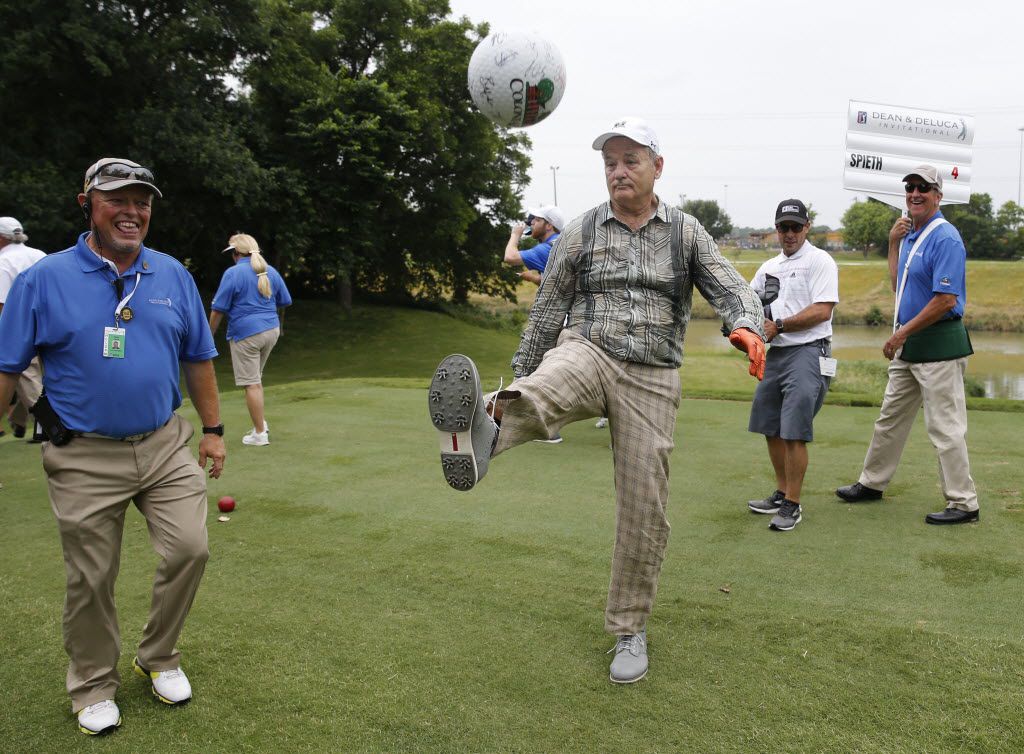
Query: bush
874,317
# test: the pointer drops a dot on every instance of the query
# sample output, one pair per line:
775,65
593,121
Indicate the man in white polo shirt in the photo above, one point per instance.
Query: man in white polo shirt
15,258
798,325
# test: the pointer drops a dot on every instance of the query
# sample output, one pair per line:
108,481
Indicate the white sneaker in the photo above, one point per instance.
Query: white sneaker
100,718
602,422
252,437
169,686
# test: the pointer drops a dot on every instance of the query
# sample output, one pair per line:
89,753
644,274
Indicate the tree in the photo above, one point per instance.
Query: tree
866,225
976,224
710,215
407,188
1010,230
141,80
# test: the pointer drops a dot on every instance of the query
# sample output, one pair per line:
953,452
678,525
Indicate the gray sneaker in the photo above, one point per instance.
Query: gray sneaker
770,504
467,433
630,662
788,516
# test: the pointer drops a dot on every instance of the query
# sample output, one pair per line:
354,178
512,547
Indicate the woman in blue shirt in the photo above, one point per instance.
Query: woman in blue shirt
253,296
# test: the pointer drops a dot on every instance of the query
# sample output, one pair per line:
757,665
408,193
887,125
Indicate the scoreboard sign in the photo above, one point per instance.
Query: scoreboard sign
885,142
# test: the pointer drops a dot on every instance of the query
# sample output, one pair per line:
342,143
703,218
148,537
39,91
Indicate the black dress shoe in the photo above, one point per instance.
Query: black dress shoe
858,493
952,516
19,430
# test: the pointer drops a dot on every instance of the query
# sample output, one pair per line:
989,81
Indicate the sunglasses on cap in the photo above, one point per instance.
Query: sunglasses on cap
789,227
119,171
922,188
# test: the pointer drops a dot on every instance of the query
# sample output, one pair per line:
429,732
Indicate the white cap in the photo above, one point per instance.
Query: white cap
632,128
551,213
11,228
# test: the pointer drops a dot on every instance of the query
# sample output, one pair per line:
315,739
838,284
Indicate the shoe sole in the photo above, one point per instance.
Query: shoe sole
106,731
750,506
454,398
775,527
974,520
141,671
624,681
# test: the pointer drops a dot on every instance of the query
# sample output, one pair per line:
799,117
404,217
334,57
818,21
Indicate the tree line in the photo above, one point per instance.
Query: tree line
338,132
987,234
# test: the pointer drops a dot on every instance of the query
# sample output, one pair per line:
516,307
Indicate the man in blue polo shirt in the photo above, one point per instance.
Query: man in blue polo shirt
928,354
546,225
112,322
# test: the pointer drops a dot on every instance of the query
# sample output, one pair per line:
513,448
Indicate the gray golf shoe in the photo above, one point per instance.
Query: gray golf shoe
630,662
789,515
459,413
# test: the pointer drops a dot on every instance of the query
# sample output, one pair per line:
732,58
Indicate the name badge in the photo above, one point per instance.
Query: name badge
113,342
827,365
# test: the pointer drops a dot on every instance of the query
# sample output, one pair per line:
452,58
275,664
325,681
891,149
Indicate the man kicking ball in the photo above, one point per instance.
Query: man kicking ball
624,273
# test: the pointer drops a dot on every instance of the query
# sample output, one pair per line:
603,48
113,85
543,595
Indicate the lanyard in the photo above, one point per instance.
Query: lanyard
906,267
124,301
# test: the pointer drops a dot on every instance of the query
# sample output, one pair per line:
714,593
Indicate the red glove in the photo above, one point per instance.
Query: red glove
751,344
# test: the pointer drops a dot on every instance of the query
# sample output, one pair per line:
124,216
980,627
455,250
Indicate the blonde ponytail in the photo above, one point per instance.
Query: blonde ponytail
246,246
259,266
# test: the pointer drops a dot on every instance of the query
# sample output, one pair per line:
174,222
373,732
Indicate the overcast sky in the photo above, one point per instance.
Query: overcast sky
750,98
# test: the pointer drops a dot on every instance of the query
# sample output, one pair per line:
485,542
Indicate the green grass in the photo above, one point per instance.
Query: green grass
355,603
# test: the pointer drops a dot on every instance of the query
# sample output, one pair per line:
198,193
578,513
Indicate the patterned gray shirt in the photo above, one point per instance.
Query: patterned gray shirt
627,291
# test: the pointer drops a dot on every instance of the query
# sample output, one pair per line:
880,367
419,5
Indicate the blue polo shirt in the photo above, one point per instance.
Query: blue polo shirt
59,308
248,311
536,258
939,266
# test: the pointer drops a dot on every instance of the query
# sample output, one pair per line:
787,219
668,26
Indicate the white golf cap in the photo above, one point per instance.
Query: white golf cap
636,129
11,228
551,213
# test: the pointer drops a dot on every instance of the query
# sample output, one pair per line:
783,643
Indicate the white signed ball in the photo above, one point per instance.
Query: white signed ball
516,78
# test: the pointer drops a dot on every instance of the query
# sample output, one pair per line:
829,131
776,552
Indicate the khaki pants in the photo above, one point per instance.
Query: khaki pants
91,482
940,386
577,380
28,390
249,356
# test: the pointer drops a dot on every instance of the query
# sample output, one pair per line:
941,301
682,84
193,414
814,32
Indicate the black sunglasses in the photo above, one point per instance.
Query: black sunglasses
119,171
789,228
922,188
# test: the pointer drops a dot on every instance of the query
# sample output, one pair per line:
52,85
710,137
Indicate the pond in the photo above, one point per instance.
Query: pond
998,360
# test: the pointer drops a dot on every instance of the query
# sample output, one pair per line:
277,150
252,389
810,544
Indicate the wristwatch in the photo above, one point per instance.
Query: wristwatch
218,430
778,325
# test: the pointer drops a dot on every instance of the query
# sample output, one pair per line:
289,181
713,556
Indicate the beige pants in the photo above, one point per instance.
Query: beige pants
91,482
577,380
28,390
939,385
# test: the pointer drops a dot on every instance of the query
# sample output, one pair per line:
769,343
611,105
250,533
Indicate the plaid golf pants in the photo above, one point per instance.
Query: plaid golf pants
577,380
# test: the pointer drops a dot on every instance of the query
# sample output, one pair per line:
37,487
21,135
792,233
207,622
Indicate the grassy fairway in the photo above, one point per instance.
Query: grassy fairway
355,603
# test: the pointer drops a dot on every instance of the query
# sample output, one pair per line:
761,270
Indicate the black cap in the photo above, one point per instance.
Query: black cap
792,209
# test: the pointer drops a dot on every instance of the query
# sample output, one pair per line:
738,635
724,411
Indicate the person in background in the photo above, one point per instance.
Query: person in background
805,289
253,296
545,225
927,354
15,258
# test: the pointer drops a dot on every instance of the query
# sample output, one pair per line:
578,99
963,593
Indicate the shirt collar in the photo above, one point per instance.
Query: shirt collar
605,213
915,233
799,252
244,259
90,261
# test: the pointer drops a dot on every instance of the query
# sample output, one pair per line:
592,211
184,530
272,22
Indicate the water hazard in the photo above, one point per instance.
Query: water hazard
997,363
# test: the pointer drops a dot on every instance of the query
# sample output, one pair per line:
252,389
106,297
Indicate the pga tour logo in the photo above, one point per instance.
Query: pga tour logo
862,116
